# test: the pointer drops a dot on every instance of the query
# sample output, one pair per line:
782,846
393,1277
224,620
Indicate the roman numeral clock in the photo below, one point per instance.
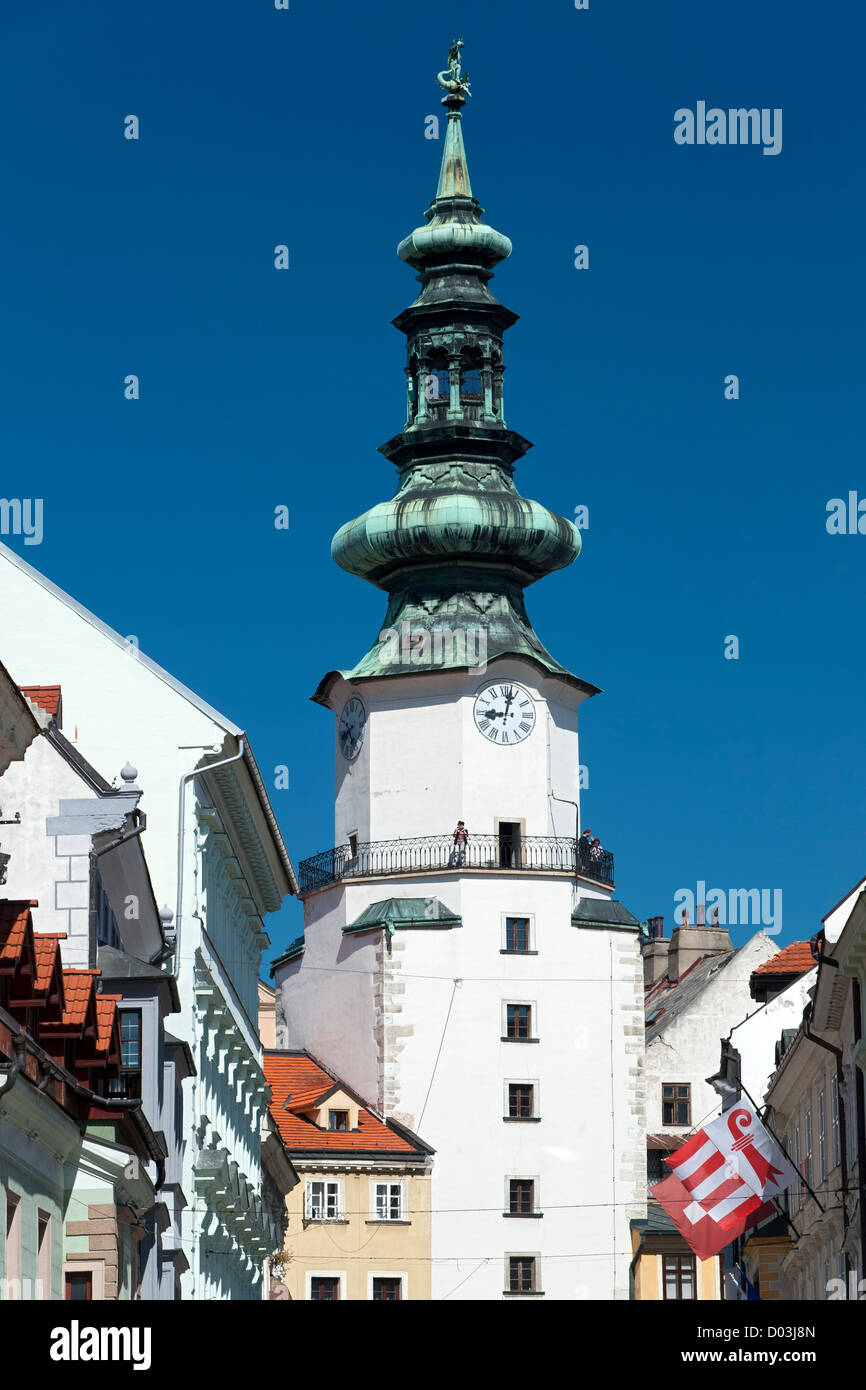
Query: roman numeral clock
504,713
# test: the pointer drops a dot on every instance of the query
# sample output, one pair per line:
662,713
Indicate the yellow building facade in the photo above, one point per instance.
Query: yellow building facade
359,1220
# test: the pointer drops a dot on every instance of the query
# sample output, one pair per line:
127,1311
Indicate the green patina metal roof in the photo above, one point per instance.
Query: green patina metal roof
392,913
603,912
457,543
292,952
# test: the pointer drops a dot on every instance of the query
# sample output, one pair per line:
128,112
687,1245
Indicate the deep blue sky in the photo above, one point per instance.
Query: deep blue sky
707,517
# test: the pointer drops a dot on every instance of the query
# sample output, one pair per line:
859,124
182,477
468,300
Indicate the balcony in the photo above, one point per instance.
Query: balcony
437,854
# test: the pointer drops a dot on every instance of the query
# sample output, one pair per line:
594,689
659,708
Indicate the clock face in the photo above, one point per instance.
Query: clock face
350,730
504,713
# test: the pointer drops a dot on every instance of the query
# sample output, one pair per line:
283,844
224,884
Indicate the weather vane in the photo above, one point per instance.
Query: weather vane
451,79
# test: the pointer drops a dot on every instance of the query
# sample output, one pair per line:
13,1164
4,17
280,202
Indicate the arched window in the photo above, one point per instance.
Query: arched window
470,378
437,382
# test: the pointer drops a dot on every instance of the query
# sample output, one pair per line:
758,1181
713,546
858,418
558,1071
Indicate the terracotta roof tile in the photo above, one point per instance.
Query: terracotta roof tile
300,1080
78,991
14,920
794,959
106,1017
47,951
46,696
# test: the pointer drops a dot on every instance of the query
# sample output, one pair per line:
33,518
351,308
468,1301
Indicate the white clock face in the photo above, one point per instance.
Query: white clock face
504,713
350,730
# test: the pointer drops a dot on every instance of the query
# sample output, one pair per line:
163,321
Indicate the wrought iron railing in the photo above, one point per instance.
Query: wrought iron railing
528,853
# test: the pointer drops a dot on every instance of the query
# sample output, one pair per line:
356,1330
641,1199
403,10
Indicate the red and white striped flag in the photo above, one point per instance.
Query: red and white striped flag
722,1179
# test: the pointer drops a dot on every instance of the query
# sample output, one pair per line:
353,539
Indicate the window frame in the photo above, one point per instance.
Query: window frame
835,1131
308,1205
338,1128
524,1180
531,1035
387,1182
681,1260
536,1108
339,1275
401,1277
530,948
675,1101
536,1289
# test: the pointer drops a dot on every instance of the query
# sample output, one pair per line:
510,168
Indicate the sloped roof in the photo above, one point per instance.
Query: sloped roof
794,959
46,696
666,1006
179,688
297,1081
14,917
404,912
47,952
603,912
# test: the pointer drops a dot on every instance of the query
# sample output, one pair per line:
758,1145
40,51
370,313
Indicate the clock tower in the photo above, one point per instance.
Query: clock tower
465,965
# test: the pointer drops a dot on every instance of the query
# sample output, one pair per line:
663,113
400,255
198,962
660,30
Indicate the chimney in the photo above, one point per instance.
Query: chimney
654,951
689,944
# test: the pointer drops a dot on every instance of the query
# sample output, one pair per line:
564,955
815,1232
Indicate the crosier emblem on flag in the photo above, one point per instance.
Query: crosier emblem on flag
721,1179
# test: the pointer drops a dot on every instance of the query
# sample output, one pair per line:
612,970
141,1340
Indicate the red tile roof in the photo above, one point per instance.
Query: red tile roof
78,992
46,696
14,920
296,1080
47,956
106,1016
794,959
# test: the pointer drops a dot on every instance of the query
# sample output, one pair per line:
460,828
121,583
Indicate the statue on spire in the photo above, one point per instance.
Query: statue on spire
455,83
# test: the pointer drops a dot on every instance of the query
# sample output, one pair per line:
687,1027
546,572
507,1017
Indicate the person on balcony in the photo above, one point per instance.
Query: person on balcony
584,847
595,853
458,854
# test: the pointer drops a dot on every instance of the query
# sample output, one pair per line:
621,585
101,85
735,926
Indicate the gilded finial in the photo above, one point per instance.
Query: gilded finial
452,80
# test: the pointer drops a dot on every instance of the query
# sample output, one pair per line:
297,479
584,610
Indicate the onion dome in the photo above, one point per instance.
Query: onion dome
457,543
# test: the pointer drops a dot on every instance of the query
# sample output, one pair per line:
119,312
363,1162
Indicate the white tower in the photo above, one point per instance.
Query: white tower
483,989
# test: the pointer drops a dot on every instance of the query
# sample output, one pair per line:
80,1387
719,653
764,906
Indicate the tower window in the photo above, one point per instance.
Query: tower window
521,1100
518,1021
470,384
437,382
521,1197
516,934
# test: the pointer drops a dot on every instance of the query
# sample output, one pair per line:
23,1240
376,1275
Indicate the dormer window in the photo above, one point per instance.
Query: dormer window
338,1120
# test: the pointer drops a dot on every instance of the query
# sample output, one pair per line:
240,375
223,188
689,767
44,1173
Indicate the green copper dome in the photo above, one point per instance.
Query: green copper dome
457,543
422,525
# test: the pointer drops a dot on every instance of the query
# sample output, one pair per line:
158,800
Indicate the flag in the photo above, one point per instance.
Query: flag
721,1178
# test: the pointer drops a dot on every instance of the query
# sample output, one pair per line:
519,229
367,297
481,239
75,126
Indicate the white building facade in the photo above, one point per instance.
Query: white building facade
486,992
217,858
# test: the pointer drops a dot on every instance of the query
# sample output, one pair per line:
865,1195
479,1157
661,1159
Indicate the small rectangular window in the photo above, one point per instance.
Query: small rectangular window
521,1274
339,1120
679,1276
387,1290
518,1020
79,1287
389,1201
323,1200
521,1196
676,1104
517,933
326,1289
521,1100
